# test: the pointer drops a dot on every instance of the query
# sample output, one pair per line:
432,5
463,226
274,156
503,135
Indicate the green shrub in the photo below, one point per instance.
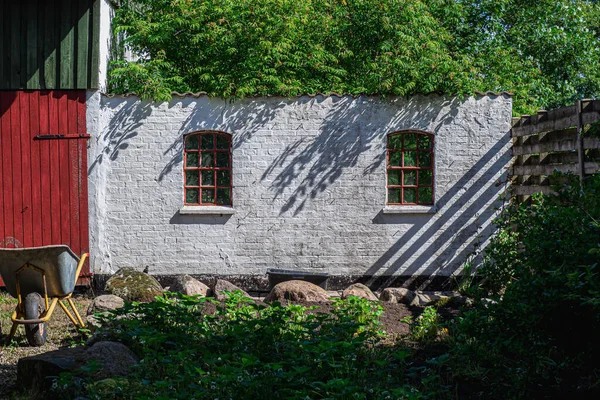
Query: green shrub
540,337
247,351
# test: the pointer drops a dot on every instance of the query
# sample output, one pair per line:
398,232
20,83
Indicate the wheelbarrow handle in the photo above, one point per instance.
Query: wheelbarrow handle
84,256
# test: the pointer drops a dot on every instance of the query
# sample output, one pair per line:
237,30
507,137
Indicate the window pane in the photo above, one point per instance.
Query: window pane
425,196
222,142
191,159
393,195
395,142
424,142
208,195
410,158
191,196
410,195
394,177
223,160
208,178
191,178
223,178
410,141
395,158
410,178
425,178
207,142
223,196
191,143
424,159
207,159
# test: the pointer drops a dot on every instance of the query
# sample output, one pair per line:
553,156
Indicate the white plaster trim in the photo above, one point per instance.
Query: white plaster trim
206,210
410,209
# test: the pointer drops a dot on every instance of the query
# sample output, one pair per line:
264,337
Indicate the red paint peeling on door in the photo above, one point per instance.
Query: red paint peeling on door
43,183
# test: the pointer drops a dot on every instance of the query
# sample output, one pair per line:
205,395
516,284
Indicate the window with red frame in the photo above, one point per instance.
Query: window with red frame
207,169
410,168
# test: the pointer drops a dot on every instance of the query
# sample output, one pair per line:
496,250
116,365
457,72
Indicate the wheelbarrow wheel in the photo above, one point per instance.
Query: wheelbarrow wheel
34,308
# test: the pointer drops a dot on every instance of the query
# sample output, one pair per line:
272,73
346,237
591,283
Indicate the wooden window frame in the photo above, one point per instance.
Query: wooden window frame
399,171
200,168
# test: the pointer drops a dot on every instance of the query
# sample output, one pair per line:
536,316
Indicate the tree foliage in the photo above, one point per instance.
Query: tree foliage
544,51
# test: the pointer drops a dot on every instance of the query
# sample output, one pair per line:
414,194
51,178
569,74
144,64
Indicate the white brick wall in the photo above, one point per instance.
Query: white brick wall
308,184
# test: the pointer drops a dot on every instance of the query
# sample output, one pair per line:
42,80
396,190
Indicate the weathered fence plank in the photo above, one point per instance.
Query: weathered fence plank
553,141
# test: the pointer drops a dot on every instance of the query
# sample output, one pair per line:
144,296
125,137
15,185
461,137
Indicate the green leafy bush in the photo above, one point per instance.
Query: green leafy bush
546,52
245,350
540,337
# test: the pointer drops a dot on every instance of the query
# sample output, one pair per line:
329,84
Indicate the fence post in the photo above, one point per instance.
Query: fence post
580,153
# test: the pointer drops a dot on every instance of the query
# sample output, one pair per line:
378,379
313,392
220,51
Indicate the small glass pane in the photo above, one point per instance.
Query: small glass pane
191,196
208,178
393,195
425,178
424,142
410,195
395,142
223,196
223,178
410,158
410,178
222,142
207,142
208,195
424,159
191,143
222,160
191,178
191,159
396,158
425,195
410,141
393,177
207,159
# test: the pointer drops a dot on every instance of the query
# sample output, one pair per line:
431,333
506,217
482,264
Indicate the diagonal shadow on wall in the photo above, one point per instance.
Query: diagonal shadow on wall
461,228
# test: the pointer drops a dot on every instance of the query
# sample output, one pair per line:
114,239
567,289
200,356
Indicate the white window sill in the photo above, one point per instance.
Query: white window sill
206,210
409,209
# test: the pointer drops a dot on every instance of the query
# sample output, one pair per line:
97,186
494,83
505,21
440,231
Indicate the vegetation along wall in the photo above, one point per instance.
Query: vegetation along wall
312,187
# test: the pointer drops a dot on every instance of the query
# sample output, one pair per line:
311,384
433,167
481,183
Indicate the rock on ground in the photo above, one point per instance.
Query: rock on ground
132,285
397,295
189,286
359,290
222,285
297,291
105,302
424,299
36,373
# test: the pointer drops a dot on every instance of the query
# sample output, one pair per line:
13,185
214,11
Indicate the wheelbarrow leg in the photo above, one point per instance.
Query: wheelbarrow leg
13,331
76,312
79,321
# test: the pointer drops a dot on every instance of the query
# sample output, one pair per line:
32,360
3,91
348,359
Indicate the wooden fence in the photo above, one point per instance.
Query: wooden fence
566,139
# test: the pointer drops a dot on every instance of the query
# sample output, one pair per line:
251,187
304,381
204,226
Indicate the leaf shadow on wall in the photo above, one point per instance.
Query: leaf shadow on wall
351,128
241,118
123,127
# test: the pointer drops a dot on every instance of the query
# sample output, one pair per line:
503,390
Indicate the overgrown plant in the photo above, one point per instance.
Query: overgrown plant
192,347
539,338
545,52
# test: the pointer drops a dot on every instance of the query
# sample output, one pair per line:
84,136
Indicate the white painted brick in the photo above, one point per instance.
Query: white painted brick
309,184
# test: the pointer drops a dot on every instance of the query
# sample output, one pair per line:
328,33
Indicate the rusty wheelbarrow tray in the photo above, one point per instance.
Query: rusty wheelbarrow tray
39,278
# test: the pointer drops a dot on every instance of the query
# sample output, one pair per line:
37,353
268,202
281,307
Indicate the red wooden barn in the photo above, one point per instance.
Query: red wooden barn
48,59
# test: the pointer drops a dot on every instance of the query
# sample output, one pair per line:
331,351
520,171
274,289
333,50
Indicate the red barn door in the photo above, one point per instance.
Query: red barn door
43,170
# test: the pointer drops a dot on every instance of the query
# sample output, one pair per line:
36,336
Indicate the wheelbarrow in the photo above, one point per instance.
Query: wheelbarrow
39,278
